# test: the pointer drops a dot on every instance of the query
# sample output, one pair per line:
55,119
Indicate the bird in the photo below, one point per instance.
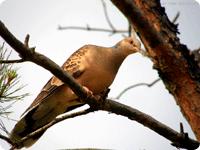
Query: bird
93,67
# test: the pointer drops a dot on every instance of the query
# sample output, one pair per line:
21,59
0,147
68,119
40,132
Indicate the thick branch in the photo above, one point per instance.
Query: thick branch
178,139
29,55
178,70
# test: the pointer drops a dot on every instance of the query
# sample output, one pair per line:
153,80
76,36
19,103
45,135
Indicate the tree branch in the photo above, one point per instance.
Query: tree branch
107,105
179,139
176,17
178,70
55,121
133,86
106,15
92,29
39,59
7,139
88,28
12,61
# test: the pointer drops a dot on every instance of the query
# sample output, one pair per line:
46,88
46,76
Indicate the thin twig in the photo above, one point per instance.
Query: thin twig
7,139
106,14
88,28
55,121
176,17
133,86
12,61
129,29
92,29
26,40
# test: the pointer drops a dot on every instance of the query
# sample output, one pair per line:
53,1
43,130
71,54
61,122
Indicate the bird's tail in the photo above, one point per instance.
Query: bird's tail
33,120
26,126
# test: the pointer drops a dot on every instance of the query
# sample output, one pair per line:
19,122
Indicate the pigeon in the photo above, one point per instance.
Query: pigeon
94,67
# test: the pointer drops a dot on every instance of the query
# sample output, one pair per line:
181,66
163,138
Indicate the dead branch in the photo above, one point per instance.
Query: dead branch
55,121
133,86
7,139
92,29
88,28
12,61
176,17
106,15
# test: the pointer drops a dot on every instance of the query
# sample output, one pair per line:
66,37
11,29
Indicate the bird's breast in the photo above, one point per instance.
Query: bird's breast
96,77
96,81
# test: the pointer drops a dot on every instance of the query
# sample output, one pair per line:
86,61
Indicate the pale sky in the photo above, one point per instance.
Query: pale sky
101,129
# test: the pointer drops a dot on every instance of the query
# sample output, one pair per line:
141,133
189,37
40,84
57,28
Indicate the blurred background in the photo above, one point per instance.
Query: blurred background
104,130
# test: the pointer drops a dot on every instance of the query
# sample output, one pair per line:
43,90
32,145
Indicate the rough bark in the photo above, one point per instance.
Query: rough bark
176,67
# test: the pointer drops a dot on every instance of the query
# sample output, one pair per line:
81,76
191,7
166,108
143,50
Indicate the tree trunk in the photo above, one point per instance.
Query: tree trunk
176,67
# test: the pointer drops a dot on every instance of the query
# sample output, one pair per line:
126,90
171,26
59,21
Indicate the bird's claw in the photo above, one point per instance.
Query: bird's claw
98,96
87,91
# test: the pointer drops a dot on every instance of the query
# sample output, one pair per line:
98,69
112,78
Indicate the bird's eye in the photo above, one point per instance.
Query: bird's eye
131,42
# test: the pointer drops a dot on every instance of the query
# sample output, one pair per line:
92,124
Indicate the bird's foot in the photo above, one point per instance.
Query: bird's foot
88,91
103,95
98,96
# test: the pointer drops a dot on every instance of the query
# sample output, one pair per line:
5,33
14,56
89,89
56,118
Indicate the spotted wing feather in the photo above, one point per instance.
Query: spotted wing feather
71,66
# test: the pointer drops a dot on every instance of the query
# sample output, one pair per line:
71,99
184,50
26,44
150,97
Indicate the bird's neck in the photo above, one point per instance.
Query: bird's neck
117,59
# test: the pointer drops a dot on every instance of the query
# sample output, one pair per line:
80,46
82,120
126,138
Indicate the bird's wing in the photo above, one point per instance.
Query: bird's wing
71,66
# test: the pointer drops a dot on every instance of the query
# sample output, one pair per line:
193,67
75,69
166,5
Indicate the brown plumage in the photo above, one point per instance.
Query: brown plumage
92,66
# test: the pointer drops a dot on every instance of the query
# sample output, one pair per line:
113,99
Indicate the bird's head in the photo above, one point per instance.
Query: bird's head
128,45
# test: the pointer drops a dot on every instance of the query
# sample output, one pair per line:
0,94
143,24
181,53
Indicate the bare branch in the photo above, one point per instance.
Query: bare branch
112,30
176,17
26,40
178,139
92,29
133,114
133,86
12,61
106,14
130,30
181,128
7,139
41,60
55,121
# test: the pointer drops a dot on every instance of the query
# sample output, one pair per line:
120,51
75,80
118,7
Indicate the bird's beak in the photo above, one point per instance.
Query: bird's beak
137,50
